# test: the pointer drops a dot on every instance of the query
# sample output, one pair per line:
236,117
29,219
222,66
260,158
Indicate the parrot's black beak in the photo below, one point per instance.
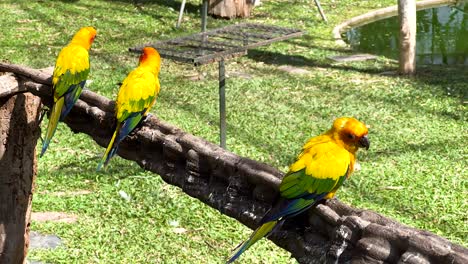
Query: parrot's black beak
364,142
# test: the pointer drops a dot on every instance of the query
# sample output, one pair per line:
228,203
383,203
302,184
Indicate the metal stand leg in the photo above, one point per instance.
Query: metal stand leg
222,104
204,13
317,3
181,13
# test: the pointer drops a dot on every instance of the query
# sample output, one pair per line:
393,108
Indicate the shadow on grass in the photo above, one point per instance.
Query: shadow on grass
452,80
441,147
189,7
86,168
275,58
449,80
75,9
307,40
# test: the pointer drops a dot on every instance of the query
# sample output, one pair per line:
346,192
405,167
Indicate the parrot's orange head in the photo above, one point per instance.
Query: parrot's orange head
150,56
351,132
85,37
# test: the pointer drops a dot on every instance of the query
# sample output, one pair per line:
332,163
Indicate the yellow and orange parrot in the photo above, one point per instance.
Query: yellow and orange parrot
325,162
69,78
136,96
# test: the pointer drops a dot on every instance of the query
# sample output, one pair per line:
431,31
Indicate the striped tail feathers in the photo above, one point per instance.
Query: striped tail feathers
122,130
259,233
52,125
111,148
130,124
284,209
71,97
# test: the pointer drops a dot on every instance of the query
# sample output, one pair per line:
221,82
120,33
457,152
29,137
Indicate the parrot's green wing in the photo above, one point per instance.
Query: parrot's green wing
137,93
320,168
71,69
319,171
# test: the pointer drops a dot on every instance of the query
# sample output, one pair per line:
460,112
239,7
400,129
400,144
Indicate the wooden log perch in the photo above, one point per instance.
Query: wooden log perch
244,189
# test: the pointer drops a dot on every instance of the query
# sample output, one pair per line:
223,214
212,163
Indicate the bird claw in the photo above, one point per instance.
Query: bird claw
42,113
142,122
147,118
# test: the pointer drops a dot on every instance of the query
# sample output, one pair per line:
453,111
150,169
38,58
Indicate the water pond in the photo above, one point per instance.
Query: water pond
442,36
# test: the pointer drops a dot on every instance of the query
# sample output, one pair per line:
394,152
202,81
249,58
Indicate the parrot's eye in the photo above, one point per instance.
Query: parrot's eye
350,136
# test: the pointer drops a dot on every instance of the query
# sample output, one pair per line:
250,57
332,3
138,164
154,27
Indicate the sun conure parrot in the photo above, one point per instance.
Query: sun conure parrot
325,162
136,96
69,77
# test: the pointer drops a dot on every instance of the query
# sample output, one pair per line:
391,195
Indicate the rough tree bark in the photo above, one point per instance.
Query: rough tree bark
244,189
19,132
407,17
230,8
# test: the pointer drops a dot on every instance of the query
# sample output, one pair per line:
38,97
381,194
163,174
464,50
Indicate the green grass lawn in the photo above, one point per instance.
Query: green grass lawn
415,170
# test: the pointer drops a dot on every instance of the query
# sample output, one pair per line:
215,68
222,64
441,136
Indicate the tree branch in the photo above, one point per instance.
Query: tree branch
245,189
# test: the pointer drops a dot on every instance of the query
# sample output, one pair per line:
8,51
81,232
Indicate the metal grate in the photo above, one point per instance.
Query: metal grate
222,43
218,45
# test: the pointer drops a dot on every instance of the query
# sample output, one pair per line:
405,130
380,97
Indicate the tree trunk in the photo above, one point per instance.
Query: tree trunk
407,17
230,8
19,132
